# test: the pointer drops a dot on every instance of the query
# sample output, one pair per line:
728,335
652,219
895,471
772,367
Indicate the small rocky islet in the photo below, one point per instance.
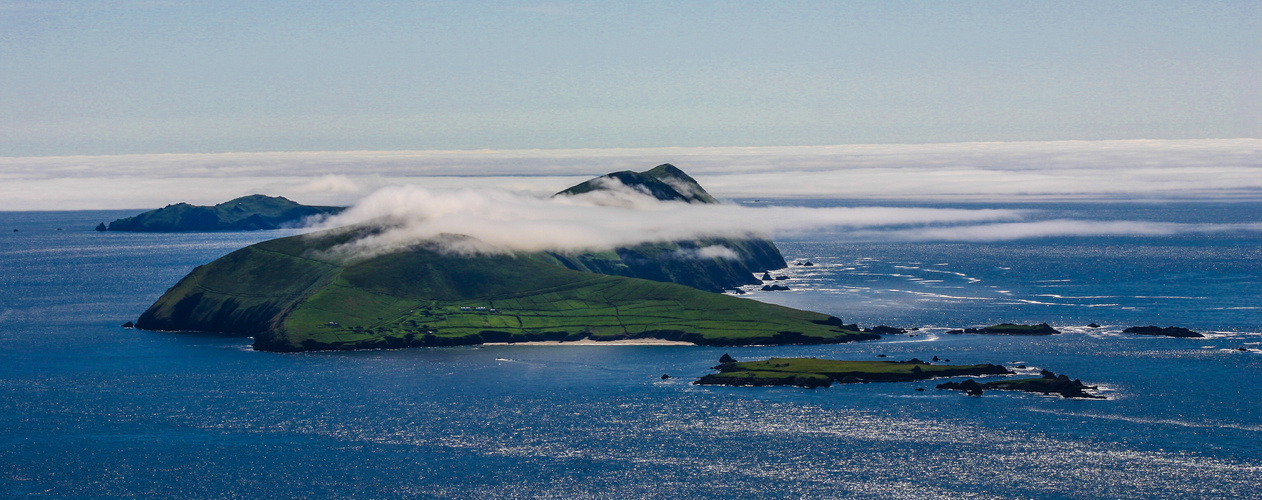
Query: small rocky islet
814,372
1048,383
1170,331
1009,329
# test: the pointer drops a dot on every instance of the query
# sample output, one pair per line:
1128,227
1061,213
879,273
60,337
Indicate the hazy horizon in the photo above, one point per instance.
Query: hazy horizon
989,171
190,77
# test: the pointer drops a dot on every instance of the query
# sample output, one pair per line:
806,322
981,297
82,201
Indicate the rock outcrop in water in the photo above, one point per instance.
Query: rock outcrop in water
1010,329
1048,383
1170,331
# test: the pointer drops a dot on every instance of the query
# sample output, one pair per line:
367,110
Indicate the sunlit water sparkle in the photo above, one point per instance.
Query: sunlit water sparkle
88,409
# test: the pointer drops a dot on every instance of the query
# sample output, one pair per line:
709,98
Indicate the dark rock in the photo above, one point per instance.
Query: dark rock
1093,325
1013,329
774,288
1021,367
935,358
664,376
766,276
975,392
807,263
887,330
129,325
881,356
1171,331
955,332
101,227
781,278
920,389
1242,349
727,358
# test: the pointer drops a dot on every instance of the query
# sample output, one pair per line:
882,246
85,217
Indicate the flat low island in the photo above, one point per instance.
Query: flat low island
815,372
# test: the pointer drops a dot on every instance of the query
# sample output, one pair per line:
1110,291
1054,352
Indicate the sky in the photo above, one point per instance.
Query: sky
140,103
86,78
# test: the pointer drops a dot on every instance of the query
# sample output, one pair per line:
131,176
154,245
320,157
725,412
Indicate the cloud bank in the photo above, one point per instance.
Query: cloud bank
503,221
1079,170
1008,231
498,221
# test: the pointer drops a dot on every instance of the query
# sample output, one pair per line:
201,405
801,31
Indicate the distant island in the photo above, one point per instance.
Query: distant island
815,372
247,213
290,294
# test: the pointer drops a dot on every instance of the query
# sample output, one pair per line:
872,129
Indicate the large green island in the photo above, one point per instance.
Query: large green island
293,294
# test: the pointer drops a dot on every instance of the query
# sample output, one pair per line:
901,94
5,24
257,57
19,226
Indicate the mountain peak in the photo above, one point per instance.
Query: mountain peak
665,182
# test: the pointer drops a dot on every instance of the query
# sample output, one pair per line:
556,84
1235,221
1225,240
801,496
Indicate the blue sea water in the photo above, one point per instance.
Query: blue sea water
91,410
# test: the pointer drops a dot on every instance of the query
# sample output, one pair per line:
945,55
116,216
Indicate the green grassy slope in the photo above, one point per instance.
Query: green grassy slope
242,214
290,298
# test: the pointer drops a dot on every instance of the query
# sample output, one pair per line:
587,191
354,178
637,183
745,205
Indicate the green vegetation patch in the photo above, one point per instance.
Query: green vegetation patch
789,371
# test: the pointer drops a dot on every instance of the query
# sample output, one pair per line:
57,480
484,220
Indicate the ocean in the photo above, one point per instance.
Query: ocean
92,410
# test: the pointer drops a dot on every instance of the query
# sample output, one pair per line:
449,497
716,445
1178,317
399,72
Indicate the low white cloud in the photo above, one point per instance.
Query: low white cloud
705,253
1007,231
330,184
1080,170
504,221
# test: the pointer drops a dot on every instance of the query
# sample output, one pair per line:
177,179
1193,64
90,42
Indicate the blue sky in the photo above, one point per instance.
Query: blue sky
143,77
